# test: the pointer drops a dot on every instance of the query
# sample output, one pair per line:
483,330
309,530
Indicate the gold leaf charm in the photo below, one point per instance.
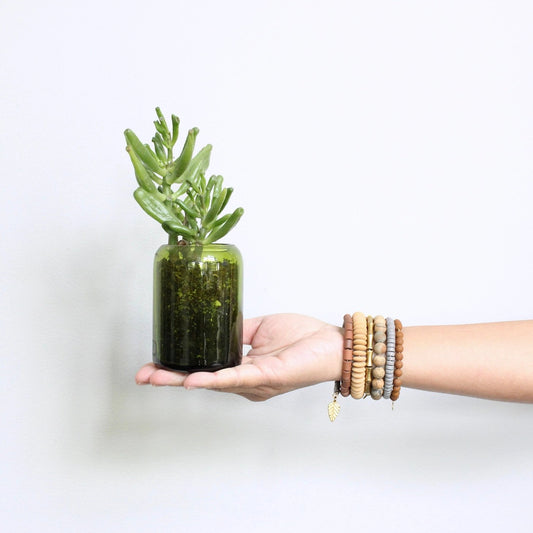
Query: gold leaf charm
333,408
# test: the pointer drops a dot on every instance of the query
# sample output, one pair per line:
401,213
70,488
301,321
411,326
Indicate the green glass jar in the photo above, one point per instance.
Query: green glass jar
197,323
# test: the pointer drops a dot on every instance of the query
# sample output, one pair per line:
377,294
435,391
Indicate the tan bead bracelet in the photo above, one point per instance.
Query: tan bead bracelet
360,341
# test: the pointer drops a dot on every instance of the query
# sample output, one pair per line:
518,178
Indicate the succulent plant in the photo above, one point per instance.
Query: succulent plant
176,192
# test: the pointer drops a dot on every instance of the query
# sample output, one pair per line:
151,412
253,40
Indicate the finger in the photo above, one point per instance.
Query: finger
245,376
167,378
143,375
250,327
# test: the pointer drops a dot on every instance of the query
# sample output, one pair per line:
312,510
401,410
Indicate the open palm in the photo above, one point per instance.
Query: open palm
289,351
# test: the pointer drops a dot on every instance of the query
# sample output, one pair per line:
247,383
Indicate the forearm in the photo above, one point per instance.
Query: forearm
493,360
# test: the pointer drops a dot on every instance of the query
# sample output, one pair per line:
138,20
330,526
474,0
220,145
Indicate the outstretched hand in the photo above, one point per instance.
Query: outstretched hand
288,351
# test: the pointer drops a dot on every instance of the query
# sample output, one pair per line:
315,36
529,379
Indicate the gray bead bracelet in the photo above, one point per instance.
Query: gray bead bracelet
391,355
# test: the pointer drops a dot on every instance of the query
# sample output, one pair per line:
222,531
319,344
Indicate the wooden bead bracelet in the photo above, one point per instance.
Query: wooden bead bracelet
360,341
347,356
372,359
398,363
378,358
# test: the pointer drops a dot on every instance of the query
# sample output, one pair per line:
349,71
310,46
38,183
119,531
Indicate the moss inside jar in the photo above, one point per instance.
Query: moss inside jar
197,320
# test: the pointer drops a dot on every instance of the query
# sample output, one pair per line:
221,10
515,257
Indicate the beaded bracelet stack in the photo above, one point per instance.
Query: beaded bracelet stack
372,360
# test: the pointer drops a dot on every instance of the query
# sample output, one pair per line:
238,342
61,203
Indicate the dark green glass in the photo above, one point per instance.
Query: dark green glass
197,307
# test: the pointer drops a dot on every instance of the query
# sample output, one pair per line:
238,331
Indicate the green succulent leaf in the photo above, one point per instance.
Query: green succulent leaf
162,120
216,208
143,152
217,188
184,159
211,184
153,205
198,165
159,147
227,226
160,128
141,173
220,221
229,192
189,210
175,129
175,227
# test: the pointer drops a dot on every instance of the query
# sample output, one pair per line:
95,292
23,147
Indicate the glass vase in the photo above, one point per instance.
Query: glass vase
197,321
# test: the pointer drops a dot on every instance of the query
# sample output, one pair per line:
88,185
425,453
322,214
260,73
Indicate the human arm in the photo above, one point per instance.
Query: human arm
489,360
493,360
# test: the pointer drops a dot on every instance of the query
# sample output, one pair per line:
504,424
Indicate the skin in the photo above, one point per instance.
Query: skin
290,351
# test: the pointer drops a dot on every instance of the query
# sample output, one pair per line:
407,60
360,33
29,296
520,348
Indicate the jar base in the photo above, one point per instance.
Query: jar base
191,369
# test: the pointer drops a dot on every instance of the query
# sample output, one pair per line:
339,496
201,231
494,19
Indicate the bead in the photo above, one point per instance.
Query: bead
377,383
397,382
379,360
380,348
376,394
398,373
380,336
378,372
347,355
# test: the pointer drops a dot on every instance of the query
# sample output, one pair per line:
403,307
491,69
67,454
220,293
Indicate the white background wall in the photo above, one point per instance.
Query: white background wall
383,153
